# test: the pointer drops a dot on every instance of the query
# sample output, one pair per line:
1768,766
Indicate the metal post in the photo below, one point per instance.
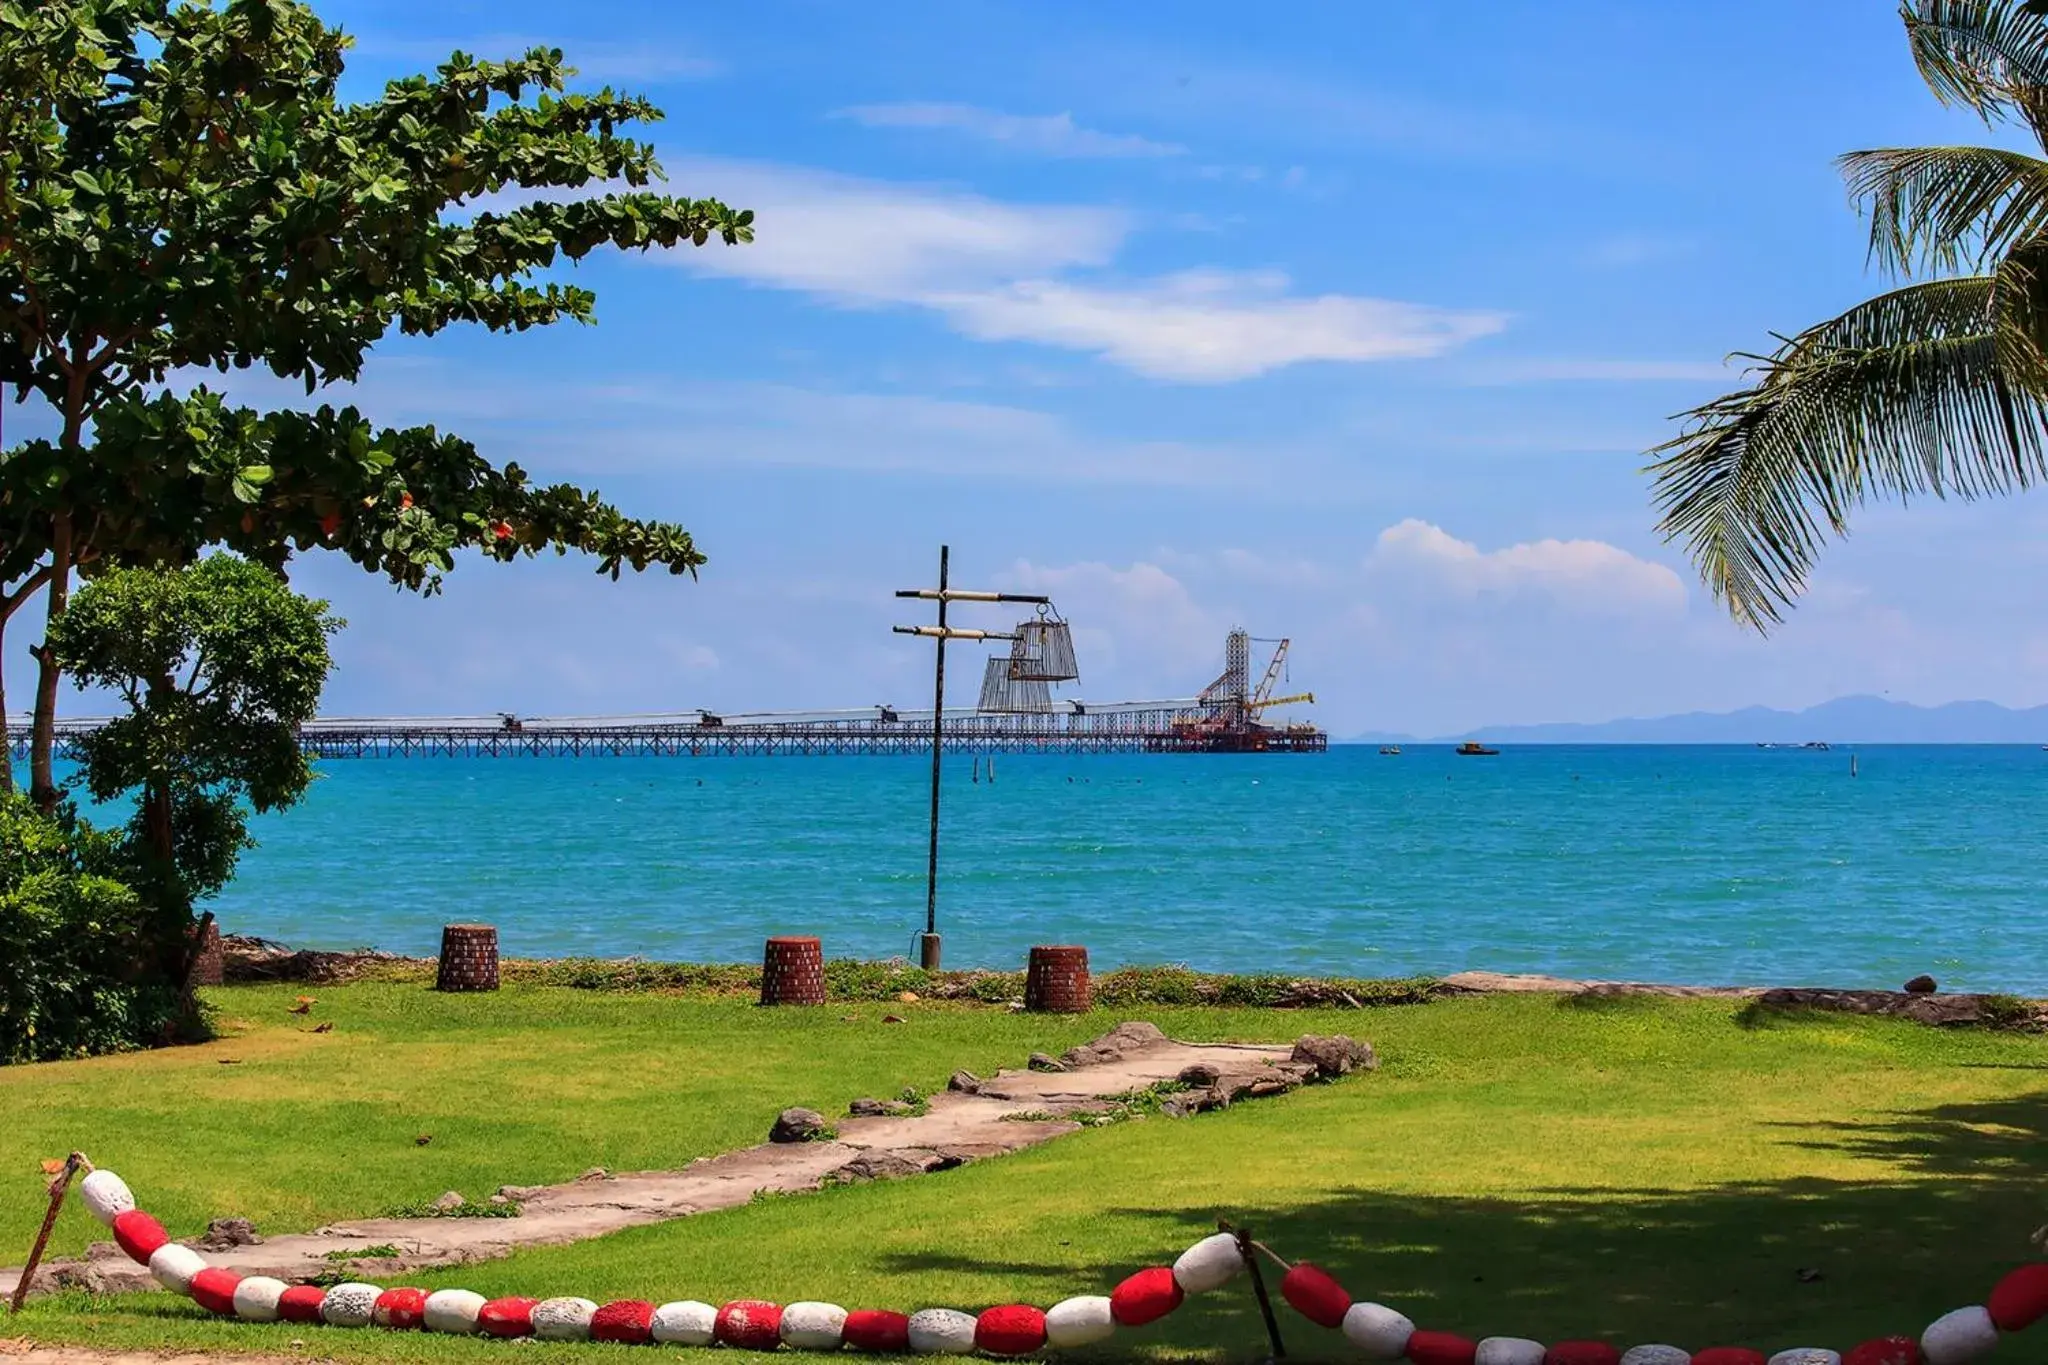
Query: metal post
928,946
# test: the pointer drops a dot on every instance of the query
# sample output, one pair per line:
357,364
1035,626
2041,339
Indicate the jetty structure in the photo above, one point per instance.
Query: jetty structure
1012,715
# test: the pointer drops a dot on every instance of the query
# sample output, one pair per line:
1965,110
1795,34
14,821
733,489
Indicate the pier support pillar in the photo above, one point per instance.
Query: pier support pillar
1056,982
793,972
469,958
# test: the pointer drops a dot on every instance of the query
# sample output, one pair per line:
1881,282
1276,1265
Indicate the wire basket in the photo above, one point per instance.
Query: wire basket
1043,652
1002,692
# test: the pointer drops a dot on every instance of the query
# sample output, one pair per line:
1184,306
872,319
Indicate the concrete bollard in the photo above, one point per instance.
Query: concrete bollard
793,971
1056,982
469,958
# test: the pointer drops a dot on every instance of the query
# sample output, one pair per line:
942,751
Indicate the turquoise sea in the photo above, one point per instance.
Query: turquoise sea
1697,865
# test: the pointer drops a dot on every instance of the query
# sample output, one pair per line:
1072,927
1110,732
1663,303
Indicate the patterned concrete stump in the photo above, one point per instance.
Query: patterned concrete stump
469,958
1057,980
207,964
793,972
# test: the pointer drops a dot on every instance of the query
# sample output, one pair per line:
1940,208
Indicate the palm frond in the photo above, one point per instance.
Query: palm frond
1924,390
1939,210
1989,55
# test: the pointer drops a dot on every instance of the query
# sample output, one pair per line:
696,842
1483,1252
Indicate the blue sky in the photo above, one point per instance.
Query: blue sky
1343,322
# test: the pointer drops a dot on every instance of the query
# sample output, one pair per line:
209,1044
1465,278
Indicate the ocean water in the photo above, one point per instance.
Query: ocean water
1696,865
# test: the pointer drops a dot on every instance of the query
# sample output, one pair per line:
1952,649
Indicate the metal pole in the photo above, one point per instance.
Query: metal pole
928,949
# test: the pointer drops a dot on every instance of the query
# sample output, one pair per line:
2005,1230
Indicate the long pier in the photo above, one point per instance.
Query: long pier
1190,726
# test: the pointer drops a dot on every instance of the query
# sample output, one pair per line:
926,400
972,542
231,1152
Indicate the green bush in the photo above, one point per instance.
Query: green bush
77,943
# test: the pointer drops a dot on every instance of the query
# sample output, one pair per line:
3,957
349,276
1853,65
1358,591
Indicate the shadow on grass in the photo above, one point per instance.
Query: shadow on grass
1776,1264
1980,1140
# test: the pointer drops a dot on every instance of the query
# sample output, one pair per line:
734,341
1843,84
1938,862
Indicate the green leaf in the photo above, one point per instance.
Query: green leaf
257,474
84,180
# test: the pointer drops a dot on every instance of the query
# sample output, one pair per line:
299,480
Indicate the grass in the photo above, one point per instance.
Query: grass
1642,1169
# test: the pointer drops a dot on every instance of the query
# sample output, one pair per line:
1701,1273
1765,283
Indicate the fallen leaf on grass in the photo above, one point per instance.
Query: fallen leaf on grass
423,1139
52,1166
892,1018
229,1061
327,1027
305,1005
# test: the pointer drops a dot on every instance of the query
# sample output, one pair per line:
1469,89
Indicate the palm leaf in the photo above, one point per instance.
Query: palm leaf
1989,55
1944,209
1930,389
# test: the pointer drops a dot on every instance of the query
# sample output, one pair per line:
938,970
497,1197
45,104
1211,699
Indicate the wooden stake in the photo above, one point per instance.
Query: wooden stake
59,1187
1245,1248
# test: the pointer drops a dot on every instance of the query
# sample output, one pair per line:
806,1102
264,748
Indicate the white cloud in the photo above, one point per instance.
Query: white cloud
1212,326
1043,134
1588,575
868,241
1004,272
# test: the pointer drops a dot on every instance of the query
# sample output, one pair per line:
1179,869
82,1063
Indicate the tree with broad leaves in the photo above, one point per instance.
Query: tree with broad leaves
219,663
181,187
1938,387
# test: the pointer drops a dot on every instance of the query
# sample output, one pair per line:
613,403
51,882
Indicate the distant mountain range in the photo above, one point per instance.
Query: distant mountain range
1846,720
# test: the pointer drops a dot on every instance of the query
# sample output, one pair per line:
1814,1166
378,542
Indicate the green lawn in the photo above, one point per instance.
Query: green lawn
1640,1169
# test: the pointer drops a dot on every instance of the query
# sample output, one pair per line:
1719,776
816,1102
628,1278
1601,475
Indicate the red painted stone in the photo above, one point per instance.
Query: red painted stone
1582,1353
214,1290
1730,1355
877,1329
401,1309
1315,1295
628,1320
1015,1329
751,1324
2020,1301
507,1317
1145,1297
1885,1351
139,1235
1441,1348
301,1303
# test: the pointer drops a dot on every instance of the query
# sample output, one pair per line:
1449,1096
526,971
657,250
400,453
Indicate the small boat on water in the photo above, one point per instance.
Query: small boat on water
1391,750
1474,749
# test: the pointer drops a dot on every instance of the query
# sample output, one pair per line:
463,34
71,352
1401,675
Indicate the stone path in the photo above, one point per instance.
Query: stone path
21,1352
1006,1113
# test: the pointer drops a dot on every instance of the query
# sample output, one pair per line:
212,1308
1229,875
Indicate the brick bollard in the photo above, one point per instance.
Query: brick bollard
1057,980
469,958
208,965
793,972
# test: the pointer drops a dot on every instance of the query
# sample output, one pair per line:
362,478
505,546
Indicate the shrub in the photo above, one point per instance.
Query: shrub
77,942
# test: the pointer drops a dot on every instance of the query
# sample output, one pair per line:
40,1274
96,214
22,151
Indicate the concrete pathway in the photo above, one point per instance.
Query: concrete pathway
1006,1113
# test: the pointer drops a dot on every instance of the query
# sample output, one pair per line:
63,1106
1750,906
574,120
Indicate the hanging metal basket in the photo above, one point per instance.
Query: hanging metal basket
1044,652
1002,693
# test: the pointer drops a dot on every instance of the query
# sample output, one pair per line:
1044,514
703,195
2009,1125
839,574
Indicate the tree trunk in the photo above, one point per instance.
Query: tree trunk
6,735
43,735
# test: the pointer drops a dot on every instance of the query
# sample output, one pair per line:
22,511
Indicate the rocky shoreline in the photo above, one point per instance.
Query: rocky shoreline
247,960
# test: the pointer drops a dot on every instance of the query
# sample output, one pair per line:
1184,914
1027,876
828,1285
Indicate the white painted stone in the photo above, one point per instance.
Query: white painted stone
1509,1351
686,1322
349,1305
1807,1355
1079,1321
814,1326
942,1331
106,1195
256,1298
1656,1354
1209,1264
174,1266
1377,1330
1958,1337
563,1319
453,1311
